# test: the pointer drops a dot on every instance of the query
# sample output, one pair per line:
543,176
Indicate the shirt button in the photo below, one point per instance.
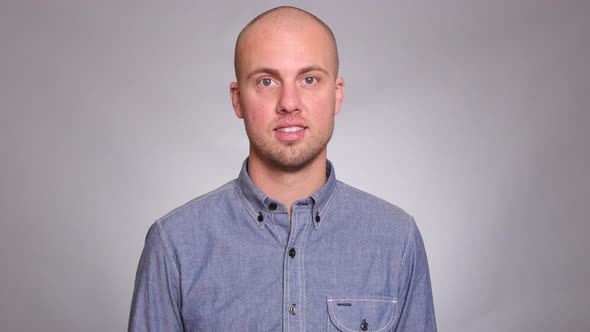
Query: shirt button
364,325
292,309
272,206
292,252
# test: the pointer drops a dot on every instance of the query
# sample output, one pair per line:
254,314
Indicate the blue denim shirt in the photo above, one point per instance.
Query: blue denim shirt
234,260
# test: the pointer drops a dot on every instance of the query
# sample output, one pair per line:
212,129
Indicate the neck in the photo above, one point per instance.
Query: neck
288,187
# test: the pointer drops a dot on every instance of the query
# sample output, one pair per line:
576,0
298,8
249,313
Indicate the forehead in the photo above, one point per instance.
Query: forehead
286,44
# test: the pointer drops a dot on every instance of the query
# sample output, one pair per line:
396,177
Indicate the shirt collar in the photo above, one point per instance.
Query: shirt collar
259,204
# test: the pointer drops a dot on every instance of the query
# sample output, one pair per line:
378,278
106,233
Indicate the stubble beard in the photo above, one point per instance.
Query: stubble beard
289,157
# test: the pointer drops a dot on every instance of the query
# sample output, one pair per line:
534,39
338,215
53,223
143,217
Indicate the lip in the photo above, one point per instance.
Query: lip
282,125
290,136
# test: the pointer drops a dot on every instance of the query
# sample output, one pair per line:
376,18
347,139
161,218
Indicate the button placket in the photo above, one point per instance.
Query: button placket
294,294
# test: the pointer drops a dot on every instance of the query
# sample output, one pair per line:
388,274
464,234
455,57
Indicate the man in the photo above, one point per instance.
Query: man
285,246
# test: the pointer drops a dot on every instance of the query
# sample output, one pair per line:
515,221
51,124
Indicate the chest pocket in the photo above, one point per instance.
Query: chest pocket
361,314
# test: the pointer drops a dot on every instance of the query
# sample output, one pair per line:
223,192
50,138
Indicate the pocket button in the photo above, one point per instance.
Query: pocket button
364,325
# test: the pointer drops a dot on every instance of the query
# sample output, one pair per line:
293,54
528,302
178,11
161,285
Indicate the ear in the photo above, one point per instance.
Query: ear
234,92
339,94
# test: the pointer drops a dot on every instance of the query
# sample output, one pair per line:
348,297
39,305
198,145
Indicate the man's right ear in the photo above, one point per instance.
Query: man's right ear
234,92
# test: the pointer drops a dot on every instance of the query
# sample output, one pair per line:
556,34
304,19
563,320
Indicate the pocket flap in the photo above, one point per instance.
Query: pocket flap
362,314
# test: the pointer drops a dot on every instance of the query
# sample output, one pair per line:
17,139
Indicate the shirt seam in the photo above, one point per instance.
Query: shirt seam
328,203
409,242
247,204
168,252
343,186
276,229
306,234
331,310
293,227
324,210
196,200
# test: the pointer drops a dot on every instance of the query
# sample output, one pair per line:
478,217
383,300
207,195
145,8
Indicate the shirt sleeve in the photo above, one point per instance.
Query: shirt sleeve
156,299
417,307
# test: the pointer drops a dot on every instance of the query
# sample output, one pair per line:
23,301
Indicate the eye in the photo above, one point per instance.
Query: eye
266,82
310,80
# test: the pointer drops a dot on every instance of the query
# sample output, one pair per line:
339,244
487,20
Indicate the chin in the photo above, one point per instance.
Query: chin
294,163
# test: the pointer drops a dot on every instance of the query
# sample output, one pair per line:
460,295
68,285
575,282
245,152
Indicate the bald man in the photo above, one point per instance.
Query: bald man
285,246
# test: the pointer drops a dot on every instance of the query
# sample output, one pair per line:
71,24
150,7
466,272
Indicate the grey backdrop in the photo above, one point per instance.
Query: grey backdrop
471,115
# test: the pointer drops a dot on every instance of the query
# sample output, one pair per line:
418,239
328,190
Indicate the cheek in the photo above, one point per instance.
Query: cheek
257,110
256,100
321,105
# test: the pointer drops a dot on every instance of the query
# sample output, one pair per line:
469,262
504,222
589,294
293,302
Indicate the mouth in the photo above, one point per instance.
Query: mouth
292,129
291,133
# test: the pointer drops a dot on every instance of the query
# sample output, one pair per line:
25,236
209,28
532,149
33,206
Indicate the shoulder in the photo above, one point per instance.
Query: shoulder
369,201
187,213
373,209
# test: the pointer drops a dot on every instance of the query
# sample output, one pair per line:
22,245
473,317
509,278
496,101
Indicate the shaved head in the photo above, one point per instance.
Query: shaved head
284,17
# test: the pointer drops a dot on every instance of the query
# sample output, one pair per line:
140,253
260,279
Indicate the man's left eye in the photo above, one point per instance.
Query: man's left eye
310,80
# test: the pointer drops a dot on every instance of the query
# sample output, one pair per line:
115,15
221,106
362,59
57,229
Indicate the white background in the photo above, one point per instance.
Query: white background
471,115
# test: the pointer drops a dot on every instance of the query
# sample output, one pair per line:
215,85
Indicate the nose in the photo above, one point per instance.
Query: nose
289,99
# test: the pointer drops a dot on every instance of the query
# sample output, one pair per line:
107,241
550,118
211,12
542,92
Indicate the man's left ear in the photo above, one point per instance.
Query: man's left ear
234,93
339,95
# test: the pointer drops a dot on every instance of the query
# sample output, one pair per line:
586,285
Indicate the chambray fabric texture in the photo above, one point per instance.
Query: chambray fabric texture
233,260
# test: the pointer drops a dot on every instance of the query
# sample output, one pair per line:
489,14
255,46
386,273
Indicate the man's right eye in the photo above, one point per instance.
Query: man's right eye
266,82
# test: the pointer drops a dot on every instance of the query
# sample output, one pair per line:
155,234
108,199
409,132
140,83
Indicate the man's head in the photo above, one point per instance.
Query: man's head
286,15
287,90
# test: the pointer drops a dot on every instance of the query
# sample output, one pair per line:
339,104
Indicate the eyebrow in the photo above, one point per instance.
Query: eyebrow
312,68
275,72
263,70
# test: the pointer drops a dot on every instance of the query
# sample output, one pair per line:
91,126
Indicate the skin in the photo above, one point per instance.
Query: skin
287,77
